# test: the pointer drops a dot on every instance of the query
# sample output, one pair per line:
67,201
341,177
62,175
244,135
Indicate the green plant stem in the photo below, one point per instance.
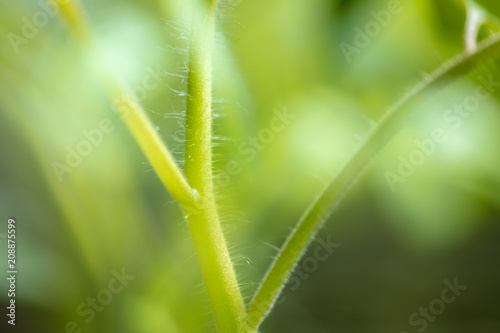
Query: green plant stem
217,269
132,113
195,191
474,19
72,12
157,153
320,209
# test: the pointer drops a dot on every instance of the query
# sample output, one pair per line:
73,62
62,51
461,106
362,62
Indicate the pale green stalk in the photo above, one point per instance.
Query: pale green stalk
473,21
132,113
220,280
195,191
320,209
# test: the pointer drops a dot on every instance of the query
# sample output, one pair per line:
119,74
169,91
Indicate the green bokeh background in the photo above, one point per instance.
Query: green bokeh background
112,212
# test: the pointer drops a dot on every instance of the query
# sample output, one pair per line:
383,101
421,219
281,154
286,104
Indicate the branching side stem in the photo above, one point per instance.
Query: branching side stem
320,209
194,191
131,112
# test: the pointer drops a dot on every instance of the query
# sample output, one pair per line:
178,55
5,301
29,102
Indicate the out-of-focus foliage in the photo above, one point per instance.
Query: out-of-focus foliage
398,244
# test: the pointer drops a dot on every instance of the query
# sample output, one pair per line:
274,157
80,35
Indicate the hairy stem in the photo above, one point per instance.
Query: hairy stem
320,209
195,191
220,279
156,151
132,113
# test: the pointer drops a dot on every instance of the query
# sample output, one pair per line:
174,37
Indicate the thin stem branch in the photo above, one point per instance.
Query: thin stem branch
156,152
72,12
321,208
473,22
196,197
220,279
132,113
